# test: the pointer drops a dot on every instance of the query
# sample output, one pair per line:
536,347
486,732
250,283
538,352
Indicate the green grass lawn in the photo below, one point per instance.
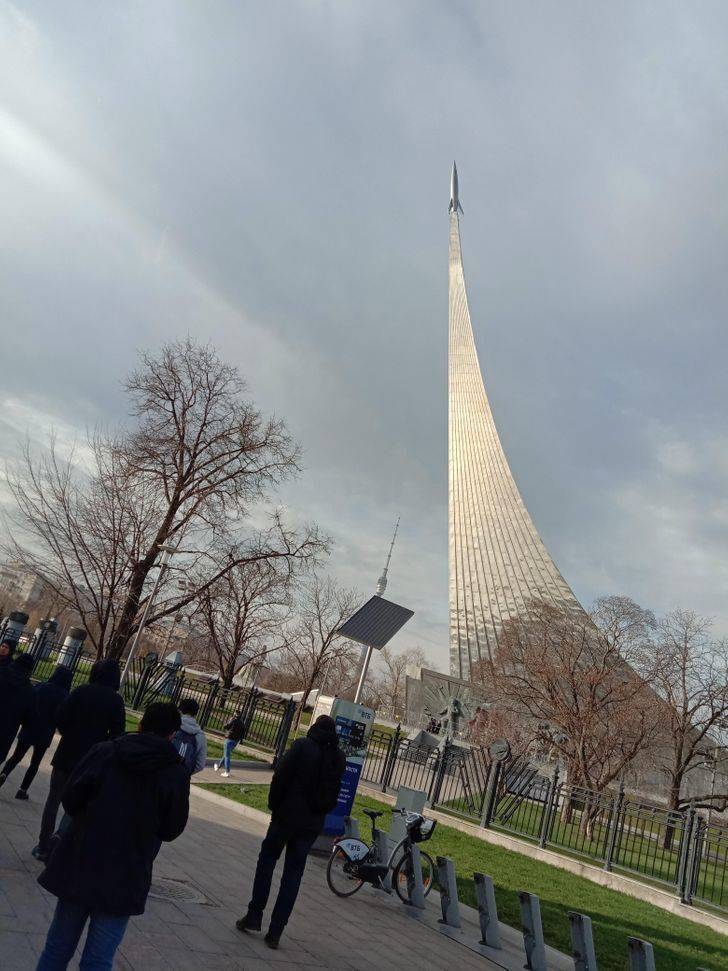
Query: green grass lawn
679,944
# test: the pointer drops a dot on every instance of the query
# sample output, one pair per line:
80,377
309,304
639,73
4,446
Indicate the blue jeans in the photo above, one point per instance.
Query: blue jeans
227,751
103,938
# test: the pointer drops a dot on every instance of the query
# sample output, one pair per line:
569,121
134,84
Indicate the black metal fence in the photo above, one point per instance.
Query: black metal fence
267,721
680,850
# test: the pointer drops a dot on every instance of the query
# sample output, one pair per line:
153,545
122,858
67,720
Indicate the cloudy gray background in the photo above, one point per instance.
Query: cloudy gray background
274,177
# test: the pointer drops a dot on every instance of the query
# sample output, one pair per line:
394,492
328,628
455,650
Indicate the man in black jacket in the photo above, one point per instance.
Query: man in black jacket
123,798
38,734
16,700
92,713
304,788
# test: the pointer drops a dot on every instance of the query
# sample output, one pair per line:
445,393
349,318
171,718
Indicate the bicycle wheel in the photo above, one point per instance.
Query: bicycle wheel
339,876
399,877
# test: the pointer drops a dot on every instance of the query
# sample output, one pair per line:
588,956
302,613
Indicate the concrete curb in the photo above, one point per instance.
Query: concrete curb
239,808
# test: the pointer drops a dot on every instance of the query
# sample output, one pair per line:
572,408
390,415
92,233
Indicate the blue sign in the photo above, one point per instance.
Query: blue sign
354,725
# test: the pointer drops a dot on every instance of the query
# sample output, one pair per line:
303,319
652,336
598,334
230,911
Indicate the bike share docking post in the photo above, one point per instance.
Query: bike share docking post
582,942
448,892
533,941
381,854
415,886
351,828
641,955
487,910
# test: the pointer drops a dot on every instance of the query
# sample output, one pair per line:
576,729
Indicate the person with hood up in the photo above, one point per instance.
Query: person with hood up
16,700
190,741
122,798
92,713
7,649
38,734
304,788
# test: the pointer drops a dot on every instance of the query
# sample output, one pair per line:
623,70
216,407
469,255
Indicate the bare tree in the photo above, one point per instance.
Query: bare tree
243,614
571,686
311,643
388,687
198,459
689,672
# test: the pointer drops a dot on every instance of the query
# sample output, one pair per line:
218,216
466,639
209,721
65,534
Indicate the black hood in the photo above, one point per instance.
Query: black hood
62,676
144,752
24,663
107,673
323,731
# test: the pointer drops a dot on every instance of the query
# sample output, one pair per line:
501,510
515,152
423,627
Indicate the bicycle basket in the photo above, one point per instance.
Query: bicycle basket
423,830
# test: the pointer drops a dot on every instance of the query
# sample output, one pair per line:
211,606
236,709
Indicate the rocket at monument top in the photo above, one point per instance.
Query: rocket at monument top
454,199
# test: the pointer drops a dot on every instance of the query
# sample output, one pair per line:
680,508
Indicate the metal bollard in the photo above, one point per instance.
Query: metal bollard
487,910
582,942
533,941
641,955
381,845
351,828
448,892
414,879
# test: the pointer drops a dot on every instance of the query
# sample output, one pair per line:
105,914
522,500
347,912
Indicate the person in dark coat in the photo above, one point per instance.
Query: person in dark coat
16,700
304,788
7,649
92,713
38,734
123,797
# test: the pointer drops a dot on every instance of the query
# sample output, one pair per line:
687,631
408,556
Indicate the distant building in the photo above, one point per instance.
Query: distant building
20,587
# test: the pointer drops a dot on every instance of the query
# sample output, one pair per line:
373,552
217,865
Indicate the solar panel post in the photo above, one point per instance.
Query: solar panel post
362,676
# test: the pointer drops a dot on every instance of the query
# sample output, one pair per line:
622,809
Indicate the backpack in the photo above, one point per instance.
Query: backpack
186,745
328,782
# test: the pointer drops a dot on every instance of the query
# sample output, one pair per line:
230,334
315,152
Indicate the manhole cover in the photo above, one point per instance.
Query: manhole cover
165,888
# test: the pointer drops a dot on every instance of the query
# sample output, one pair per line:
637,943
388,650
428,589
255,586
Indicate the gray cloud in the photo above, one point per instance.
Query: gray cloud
273,178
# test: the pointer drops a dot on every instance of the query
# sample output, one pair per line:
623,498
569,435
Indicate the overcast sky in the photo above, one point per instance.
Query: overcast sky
273,177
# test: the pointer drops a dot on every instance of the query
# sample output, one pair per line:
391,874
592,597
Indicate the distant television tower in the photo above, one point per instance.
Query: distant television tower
382,581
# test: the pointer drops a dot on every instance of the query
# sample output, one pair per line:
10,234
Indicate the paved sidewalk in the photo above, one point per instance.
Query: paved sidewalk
215,859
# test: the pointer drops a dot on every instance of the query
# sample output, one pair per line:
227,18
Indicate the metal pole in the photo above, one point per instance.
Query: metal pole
362,676
166,555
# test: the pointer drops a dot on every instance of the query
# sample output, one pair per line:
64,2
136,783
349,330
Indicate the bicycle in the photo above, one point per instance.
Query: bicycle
353,862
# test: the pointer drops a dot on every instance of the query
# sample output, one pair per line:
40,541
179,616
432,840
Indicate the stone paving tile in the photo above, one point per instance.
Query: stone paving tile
217,853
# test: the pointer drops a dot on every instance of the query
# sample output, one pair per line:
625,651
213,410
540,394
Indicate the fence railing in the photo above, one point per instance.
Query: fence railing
267,721
677,849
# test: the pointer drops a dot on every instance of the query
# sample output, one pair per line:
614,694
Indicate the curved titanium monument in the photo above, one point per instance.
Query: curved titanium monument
497,560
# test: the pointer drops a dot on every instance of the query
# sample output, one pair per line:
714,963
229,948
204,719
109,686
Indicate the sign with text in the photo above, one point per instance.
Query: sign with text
354,725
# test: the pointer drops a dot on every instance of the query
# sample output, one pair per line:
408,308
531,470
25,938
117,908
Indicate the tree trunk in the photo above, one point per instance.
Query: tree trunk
674,805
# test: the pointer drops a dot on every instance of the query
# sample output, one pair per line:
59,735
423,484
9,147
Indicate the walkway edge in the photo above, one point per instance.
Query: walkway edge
239,808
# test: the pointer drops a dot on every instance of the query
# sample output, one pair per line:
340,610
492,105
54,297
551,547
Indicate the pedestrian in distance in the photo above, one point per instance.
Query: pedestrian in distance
16,700
304,788
7,649
92,713
38,734
235,734
122,798
190,741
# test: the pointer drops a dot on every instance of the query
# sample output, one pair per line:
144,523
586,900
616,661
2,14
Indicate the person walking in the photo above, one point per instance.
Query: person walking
190,741
16,700
235,734
92,713
38,734
304,788
123,797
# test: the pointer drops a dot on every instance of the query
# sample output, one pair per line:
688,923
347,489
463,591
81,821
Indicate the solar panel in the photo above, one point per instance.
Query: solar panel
376,623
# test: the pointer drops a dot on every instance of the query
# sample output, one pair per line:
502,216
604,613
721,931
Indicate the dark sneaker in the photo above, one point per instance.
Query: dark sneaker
21,794
272,940
39,854
248,923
